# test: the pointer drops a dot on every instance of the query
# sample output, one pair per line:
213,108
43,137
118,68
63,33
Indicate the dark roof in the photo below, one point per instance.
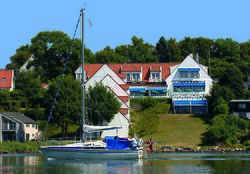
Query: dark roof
240,101
18,117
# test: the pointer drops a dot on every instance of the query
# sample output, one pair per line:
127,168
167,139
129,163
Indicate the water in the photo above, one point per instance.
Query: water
156,163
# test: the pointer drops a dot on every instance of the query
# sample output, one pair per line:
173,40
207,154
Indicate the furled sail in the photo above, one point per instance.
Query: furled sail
90,129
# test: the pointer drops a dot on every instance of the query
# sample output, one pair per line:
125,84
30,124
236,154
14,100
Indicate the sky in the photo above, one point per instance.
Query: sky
115,22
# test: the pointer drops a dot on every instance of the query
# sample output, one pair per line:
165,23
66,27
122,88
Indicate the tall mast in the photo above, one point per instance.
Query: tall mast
83,98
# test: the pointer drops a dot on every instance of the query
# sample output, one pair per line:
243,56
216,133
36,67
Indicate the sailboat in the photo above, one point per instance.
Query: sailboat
111,148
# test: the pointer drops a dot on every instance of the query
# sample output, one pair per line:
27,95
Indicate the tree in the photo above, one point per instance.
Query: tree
19,58
123,50
4,95
50,51
67,108
187,46
30,85
102,105
225,48
233,79
162,50
174,51
140,52
108,56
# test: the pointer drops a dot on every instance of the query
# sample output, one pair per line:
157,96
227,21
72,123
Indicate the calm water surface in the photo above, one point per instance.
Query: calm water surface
156,163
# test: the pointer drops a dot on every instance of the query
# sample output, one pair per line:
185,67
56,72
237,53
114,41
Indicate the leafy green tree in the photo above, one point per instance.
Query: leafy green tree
17,94
203,46
89,57
233,79
221,109
187,46
108,56
102,105
174,51
4,95
141,52
19,58
67,109
220,131
30,85
225,48
123,50
51,51
162,50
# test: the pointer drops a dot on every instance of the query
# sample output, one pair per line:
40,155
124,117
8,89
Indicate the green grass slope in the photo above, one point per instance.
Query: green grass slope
180,130
176,130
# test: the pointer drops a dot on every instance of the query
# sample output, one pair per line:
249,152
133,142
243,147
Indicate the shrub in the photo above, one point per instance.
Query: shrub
221,109
162,108
148,102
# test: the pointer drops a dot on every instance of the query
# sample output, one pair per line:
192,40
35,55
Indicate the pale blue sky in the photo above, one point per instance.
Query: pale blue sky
115,22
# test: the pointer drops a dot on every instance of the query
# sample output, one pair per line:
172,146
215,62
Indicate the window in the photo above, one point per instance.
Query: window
27,125
242,106
128,77
183,74
3,79
155,75
136,76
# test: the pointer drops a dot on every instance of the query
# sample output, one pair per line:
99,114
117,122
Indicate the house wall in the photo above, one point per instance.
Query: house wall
31,131
119,120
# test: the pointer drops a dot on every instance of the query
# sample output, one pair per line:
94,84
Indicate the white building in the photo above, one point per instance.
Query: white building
188,85
105,75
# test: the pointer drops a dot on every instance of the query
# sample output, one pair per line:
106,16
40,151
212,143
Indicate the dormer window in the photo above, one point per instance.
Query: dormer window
155,75
3,79
133,77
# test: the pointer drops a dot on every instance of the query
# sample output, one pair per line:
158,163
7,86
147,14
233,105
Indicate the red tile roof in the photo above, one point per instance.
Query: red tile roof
124,86
123,98
156,68
6,77
124,111
133,67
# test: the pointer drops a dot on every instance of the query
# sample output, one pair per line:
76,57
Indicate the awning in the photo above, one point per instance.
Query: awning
158,89
137,89
201,84
142,91
190,102
189,69
154,91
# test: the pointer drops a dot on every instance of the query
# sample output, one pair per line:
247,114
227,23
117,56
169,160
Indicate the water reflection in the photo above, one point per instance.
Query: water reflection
98,166
156,163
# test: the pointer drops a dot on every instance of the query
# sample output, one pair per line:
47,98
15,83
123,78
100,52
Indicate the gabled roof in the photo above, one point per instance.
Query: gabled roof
6,77
18,117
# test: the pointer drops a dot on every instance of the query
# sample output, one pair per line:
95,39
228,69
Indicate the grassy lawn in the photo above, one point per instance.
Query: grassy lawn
180,130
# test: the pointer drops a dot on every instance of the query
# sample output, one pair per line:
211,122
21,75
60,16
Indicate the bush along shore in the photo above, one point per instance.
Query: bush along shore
32,147
18,147
201,149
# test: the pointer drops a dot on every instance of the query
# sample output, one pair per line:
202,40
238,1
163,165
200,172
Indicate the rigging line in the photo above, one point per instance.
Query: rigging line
61,77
